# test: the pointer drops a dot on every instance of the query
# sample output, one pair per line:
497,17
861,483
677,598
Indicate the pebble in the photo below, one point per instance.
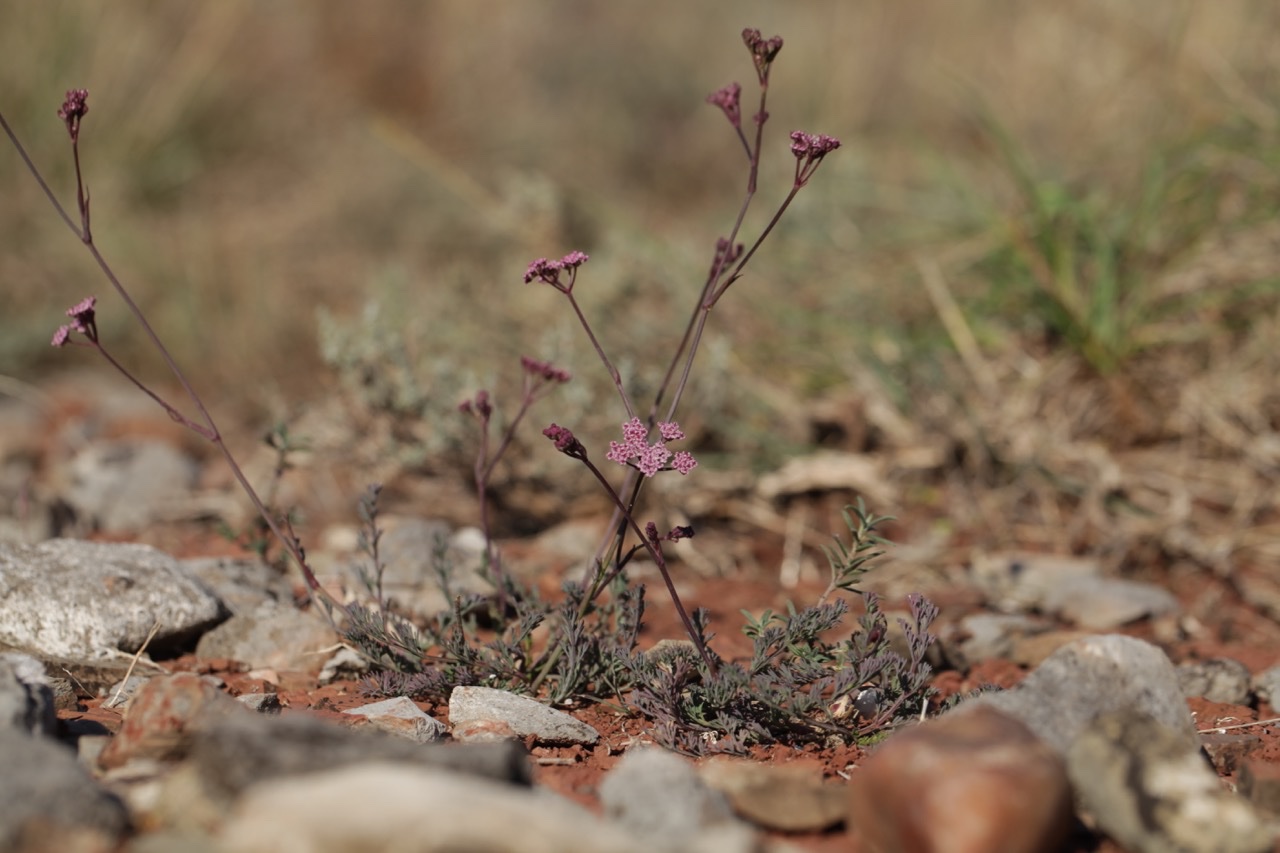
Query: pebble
121,486
26,697
272,636
1017,582
242,584
260,703
400,717
235,752
986,636
1218,680
119,694
1104,604
44,786
1149,790
659,796
67,598
1266,686
1260,783
1227,750
784,797
972,781
1060,699
525,717
161,716
398,807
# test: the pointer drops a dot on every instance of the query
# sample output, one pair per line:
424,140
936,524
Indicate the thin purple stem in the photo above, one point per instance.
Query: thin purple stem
660,561
613,371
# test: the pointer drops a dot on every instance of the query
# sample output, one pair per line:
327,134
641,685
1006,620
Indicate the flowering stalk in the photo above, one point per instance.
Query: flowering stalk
568,444
729,261
83,323
539,376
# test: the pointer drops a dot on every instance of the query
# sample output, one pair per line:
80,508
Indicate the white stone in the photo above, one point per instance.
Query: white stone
85,600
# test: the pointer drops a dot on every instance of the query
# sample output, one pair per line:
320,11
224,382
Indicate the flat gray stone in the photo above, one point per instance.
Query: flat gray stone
1091,676
660,797
523,716
1266,685
784,797
396,807
242,584
241,750
123,486
66,598
987,636
400,717
1104,604
26,696
1218,680
272,636
1149,790
43,783
1015,582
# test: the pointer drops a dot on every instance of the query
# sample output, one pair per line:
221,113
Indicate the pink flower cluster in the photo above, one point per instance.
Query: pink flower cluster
809,149
543,370
729,100
650,458
74,108
548,271
82,321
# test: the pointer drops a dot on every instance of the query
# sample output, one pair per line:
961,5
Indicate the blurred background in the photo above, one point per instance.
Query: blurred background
1039,278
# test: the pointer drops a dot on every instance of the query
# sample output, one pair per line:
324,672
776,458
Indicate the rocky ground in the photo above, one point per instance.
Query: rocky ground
1139,712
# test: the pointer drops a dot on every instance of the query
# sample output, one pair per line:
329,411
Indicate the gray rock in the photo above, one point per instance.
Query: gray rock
345,662
26,697
86,600
1071,588
660,797
524,717
119,694
414,552
261,703
1103,604
1266,686
1149,790
242,749
272,636
1218,680
400,717
1018,582
64,694
785,797
396,807
44,784
125,485
242,584
1091,676
409,549
987,636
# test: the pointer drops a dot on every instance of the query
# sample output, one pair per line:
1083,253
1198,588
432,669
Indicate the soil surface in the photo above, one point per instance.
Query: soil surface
1233,629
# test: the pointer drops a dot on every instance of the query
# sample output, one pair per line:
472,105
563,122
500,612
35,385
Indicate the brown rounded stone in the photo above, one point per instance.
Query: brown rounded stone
974,781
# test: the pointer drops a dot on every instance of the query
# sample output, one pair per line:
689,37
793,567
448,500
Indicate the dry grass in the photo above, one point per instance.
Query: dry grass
251,164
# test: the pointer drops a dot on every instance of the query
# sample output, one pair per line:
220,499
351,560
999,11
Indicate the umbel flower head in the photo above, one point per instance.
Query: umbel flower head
550,272
650,458
809,149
